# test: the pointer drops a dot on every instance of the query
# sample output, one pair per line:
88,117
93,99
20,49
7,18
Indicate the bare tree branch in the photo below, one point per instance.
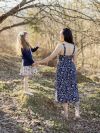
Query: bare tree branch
13,10
51,10
14,25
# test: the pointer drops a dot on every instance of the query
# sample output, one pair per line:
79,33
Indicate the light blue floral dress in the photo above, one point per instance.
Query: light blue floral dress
66,79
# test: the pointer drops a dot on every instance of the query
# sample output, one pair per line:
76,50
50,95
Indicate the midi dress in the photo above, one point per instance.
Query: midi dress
66,79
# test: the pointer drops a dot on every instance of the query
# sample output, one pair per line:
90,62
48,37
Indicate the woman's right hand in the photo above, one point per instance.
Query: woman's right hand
35,64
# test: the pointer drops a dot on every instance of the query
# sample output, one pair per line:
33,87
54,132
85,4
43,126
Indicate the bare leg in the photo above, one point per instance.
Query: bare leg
25,83
26,86
77,111
65,107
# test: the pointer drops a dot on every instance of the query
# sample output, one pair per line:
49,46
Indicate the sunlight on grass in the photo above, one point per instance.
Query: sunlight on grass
44,108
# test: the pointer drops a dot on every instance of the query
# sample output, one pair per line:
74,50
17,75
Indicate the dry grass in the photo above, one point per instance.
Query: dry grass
20,113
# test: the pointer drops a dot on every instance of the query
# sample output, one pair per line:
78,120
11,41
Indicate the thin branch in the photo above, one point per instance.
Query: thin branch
14,25
54,8
22,23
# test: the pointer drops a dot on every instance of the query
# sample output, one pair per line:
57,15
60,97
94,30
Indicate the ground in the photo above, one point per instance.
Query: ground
20,113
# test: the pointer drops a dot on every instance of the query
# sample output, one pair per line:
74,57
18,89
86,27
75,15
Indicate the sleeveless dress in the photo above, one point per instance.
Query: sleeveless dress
66,80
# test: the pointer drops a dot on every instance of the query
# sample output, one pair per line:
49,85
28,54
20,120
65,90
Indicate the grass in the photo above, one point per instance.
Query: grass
48,112
41,113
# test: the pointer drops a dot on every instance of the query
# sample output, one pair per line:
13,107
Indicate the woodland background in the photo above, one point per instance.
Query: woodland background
44,19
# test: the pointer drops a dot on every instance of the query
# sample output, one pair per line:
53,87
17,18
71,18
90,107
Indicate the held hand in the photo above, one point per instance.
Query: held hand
36,63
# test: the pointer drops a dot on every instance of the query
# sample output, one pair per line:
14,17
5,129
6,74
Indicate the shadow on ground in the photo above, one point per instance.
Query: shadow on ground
8,124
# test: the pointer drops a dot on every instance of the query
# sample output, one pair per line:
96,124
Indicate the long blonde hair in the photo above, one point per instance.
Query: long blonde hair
21,42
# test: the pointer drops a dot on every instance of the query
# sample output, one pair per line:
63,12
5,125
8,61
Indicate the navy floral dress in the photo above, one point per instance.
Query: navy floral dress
66,80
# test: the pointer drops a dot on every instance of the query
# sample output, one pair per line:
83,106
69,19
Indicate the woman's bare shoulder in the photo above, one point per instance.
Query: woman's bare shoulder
76,48
59,46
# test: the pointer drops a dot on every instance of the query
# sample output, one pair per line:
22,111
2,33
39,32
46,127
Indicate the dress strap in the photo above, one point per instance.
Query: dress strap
64,49
73,50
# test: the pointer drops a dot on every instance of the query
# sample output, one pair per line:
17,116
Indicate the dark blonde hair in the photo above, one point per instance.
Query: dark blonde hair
21,42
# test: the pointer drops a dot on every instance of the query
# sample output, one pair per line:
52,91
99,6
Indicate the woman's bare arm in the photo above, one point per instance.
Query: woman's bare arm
52,56
75,56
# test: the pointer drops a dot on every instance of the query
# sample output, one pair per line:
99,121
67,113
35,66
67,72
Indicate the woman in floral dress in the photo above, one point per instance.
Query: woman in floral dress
66,80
